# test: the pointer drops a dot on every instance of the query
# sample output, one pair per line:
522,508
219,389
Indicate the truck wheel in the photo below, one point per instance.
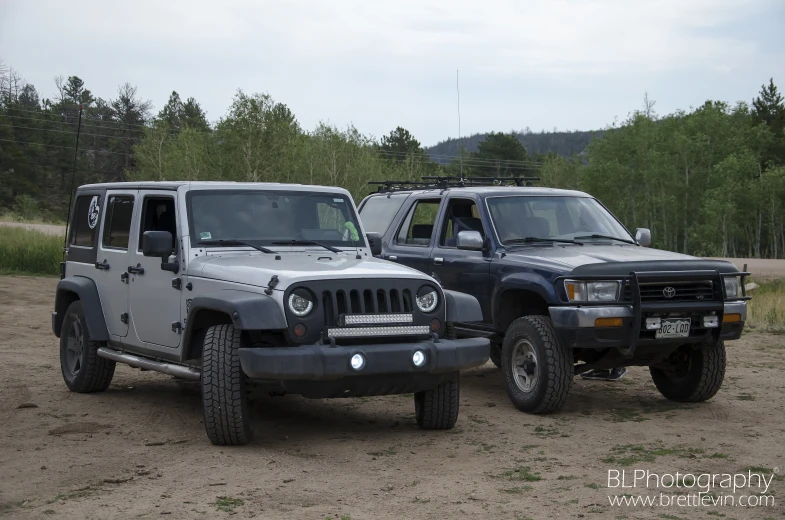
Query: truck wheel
437,409
226,415
496,354
83,370
537,367
691,374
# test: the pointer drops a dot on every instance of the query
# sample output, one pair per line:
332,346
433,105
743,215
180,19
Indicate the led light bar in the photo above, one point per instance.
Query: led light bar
373,319
359,332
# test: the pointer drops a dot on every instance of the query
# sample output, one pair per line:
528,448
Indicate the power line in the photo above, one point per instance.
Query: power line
65,147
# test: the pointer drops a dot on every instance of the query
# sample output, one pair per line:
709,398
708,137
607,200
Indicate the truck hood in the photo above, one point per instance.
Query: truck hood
251,268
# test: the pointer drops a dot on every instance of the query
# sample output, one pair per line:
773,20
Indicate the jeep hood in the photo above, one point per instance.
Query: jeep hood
609,259
257,269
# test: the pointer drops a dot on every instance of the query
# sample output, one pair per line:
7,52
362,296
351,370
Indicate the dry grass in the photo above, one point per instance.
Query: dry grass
26,251
766,311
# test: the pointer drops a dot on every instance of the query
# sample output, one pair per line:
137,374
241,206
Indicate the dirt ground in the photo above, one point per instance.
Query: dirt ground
139,449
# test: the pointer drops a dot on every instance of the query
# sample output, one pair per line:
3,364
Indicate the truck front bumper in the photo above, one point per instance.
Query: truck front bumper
576,326
325,362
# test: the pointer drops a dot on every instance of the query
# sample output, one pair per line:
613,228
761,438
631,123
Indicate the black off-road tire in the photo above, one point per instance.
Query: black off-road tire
553,368
698,380
496,354
83,370
437,409
227,418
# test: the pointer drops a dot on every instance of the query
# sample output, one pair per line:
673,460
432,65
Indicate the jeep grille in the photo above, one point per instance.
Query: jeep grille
365,301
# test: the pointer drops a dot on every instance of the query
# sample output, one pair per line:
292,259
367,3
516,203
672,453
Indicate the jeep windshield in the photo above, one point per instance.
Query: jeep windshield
218,218
554,220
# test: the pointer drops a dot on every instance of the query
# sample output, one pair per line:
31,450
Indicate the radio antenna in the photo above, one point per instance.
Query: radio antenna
71,189
458,90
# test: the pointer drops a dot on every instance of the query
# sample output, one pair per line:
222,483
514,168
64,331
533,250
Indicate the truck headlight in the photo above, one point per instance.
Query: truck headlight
427,298
592,291
731,287
300,302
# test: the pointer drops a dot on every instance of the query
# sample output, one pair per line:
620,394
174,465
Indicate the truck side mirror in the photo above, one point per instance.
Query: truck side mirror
375,243
643,237
470,241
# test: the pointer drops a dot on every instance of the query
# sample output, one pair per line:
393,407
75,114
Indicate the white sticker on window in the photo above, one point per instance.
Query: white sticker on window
205,235
337,200
92,212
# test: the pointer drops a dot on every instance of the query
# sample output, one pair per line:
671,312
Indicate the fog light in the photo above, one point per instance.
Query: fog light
711,322
299,330
608,322
418,358
358,361
731,318
653,323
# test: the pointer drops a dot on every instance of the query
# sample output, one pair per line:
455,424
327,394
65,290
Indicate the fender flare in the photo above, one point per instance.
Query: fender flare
462,307
86,291
531,282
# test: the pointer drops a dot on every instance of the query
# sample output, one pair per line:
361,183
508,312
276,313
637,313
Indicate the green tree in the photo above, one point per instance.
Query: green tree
769,108
500,155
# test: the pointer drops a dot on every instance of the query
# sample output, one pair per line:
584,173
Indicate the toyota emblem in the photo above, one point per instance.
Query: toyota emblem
669,292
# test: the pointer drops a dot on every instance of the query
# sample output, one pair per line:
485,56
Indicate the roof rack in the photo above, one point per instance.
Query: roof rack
437,182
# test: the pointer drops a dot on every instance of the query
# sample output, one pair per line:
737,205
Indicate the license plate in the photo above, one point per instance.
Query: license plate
673,329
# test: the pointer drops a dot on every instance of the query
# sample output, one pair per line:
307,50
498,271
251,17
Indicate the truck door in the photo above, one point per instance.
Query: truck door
155,303
112,278
412,241
461,270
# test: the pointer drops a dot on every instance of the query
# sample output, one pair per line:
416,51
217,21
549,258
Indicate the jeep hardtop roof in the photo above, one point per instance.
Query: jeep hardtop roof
201,185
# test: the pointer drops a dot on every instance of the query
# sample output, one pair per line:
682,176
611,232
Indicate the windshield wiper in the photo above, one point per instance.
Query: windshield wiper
306,243
531,240
233,242
609,238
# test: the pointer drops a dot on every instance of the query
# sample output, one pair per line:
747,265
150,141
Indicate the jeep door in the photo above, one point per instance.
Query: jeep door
412,240
155,303
112,278
457,269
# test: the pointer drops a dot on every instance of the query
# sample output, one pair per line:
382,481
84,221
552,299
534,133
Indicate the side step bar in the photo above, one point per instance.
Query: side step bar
149,364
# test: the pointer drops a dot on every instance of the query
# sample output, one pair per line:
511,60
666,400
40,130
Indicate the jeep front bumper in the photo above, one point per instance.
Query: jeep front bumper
325,362
576,325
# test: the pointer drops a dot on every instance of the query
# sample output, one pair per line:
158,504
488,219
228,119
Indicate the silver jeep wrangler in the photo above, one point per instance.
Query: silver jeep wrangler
252,287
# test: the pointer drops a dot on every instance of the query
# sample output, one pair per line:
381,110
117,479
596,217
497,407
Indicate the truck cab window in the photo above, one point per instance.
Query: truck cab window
462,215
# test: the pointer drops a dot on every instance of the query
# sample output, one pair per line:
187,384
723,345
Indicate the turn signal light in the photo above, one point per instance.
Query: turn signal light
608,322
731,318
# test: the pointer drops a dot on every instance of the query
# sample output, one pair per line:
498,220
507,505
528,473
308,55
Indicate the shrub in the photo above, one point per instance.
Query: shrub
25,208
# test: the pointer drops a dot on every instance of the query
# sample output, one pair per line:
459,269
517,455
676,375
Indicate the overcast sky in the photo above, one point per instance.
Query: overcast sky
380,64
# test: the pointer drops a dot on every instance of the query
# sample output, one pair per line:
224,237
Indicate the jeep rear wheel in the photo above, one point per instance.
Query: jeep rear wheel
83,370
691,374
226,416
538,369
437,409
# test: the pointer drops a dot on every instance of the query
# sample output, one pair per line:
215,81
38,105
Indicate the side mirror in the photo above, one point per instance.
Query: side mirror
643,237
157,243
375,243
470,241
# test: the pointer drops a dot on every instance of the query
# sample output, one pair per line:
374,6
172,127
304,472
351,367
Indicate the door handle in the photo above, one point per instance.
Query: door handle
124,277
102,265
136,270
392,257
438,260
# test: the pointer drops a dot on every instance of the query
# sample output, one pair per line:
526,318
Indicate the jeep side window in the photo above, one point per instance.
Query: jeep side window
462,215
82,234
417,227
117,223
158,214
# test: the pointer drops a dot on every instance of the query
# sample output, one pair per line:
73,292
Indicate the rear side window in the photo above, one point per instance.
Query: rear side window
84,227
417,227
117,224
378,212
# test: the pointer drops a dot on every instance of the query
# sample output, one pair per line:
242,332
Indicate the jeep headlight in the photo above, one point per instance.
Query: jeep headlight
605,291
731,287
427,298
300,302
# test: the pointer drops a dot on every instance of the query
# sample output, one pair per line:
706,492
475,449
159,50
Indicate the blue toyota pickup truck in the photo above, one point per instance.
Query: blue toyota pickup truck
564,287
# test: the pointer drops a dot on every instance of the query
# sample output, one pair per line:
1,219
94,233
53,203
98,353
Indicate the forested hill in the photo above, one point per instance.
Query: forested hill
565,144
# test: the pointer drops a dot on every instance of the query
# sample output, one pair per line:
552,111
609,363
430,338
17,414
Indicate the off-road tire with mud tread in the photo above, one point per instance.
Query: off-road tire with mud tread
227,418
437,409
703,379
95,373
554,365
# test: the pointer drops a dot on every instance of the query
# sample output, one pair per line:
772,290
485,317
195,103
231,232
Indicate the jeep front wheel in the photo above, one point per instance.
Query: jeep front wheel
691,374
226,415
437,409
537,368
83,370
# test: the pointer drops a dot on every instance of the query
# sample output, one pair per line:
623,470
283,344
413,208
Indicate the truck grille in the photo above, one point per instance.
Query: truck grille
673,291
365,301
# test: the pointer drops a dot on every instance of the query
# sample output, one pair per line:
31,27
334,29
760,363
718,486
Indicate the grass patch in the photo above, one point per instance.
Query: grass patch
26,251
522,473
625,415
227,504
629,454
79,493
745,397
518,490
545,431
766,310
388,451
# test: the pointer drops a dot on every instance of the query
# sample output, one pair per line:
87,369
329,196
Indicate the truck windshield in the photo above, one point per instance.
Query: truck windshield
566,218
271,217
